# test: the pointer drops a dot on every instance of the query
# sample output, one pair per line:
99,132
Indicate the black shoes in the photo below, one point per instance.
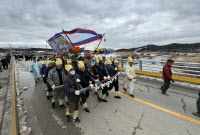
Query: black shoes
124,89
99,99
104,100
87,110
67,103
53,105
165,94
68,118
48,97
131,95
118,97
107,94
77,120
62,106
196,114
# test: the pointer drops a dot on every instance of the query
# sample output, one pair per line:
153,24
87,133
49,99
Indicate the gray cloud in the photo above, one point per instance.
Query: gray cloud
129,23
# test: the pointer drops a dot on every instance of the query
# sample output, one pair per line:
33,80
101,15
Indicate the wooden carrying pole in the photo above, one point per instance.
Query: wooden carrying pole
100,40
94,85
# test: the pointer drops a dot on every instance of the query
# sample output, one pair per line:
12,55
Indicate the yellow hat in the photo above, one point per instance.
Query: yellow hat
69,61
130,59
108,61
42,62
100,58
81,64
116,61
68,67
49,61
58,61
96,60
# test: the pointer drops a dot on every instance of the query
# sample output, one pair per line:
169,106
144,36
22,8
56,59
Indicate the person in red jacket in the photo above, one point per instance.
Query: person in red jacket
167,76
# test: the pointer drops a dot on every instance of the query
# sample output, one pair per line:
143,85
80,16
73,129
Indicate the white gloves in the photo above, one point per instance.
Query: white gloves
115,68
91,86
77,80
43,76
53,87
104,78
108,77
77,92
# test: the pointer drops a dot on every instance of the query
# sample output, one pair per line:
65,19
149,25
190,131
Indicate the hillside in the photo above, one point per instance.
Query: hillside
174,47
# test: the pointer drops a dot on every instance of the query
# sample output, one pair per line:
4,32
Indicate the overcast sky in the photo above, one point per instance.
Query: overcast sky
126,23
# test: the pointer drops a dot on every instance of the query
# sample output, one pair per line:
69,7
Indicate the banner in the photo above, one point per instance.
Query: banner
59,44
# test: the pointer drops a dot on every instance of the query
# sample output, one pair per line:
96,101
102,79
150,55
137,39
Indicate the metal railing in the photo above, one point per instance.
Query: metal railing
178,68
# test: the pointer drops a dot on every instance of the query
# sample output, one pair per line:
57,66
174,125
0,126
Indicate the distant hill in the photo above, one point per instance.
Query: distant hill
174,47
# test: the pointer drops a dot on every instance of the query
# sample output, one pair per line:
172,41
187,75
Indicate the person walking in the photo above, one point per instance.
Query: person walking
4,62
34,68
55,79
73,91
130,77
116,81
46,72
43,75
84,81
198,107
167,76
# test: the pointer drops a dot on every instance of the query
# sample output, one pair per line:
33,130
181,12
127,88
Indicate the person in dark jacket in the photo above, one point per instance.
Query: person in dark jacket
101,62
8,57
167,76
46,72
42,74
0,66
198,107
73,90
116,81
5,63
84,78
69,62
95,71
106,73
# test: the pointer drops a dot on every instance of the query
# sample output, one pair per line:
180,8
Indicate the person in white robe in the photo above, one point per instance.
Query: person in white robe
34,68
130,77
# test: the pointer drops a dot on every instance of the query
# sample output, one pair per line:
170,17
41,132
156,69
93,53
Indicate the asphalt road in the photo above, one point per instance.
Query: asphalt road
150,113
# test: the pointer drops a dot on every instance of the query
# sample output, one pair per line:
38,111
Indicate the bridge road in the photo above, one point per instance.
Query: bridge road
150,113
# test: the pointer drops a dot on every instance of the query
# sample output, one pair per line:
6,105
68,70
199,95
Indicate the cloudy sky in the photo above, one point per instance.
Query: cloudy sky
126,23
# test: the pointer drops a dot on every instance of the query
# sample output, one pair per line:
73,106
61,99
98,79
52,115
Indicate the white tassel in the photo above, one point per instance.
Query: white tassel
77,80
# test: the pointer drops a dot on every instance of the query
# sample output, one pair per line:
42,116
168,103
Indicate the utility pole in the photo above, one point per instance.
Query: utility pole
9,49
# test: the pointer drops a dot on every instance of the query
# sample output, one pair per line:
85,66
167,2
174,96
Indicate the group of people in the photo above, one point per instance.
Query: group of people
71,86
68,85
4,61
27,57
